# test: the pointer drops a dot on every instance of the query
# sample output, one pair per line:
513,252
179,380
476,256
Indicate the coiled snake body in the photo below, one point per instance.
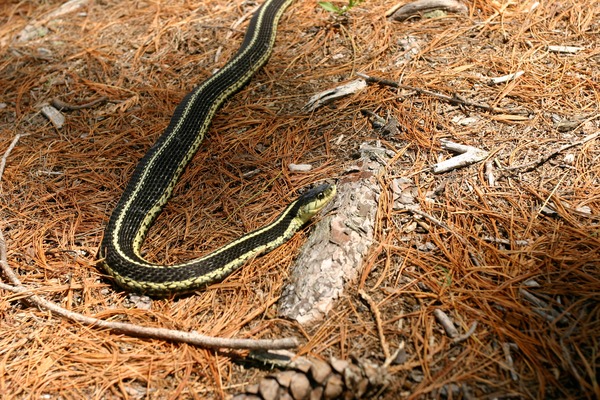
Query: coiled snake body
157,173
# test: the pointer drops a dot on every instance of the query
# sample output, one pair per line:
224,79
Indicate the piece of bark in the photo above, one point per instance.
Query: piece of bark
421,7
334,253
330,95
56,117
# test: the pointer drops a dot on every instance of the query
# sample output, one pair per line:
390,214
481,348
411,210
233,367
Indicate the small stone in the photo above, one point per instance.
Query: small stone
44,52
416,375
567,125
450,390
401,357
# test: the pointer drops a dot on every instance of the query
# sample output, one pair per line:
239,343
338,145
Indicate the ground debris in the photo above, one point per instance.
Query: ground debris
313,378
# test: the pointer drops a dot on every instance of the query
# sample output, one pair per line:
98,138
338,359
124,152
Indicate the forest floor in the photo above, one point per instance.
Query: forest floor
507,248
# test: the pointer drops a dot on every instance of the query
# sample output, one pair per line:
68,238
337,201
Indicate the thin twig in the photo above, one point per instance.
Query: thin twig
446,323
465,336
506,242
377,315
155,333
8,151
509,361
533,165
438,223
388,361
450,99
467,155
544,309
64,106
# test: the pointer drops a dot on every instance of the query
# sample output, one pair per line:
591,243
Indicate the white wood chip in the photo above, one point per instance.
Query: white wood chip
330,95
565,49
299,167
469,155
506,78
55,116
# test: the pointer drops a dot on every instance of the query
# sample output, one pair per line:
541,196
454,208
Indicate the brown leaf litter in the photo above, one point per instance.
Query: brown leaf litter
519,256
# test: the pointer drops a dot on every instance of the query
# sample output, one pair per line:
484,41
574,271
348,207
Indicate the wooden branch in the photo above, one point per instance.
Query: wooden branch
335,251
450,99
446,323
64,106
545,158
465,336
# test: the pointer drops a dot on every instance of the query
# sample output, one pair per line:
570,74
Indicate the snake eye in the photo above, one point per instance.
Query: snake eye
320,196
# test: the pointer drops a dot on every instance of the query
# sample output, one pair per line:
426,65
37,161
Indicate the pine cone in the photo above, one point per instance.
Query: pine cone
314,379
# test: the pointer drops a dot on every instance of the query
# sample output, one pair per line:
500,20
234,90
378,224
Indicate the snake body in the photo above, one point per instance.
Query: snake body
156,174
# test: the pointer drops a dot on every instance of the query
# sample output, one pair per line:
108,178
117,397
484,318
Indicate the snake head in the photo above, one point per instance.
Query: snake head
312,201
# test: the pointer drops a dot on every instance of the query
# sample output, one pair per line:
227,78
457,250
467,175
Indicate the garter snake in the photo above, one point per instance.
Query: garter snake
156,174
